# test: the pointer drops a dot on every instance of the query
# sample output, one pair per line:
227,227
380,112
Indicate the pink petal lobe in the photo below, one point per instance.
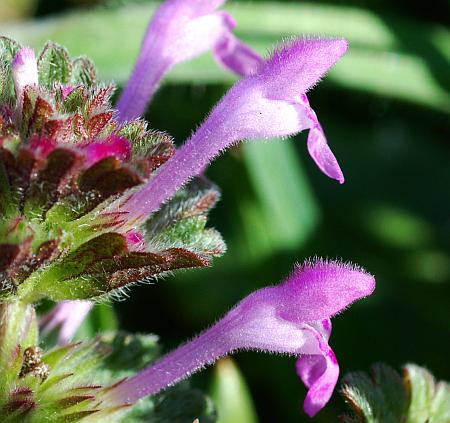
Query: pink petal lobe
319,373
320,289
323,156
113,146
318,146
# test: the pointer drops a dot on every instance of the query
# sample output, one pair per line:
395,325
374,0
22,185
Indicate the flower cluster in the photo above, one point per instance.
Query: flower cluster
65,158
92,201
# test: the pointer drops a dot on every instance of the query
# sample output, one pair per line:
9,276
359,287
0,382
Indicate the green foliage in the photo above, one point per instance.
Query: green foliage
83,72
77,376
180,406
37,387
130,353
386,397
148,143
430,400
181,222
231,394
8,50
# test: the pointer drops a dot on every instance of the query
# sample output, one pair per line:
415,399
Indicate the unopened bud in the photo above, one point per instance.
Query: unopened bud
24,70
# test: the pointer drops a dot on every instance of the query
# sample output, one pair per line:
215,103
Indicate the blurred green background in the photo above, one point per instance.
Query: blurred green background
385,108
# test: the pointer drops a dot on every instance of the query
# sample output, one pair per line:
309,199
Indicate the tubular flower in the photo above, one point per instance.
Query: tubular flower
269,103
243,61
90,202
179,31
290,318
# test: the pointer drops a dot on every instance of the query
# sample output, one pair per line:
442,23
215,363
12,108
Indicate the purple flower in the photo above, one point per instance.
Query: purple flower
267,104
179,31
68,316
242,60
290,318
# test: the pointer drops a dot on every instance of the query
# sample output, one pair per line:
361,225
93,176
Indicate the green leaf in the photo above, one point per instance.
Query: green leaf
430,400
54,65
8,50
391,384
181,222
290,213
182,406
366,400
59,281
130,353
56,355
147,143
386,397
231,394
83,72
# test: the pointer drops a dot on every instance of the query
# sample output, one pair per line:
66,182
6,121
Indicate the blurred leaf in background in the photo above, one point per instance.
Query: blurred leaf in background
289,212
16,9
101,318
231,394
